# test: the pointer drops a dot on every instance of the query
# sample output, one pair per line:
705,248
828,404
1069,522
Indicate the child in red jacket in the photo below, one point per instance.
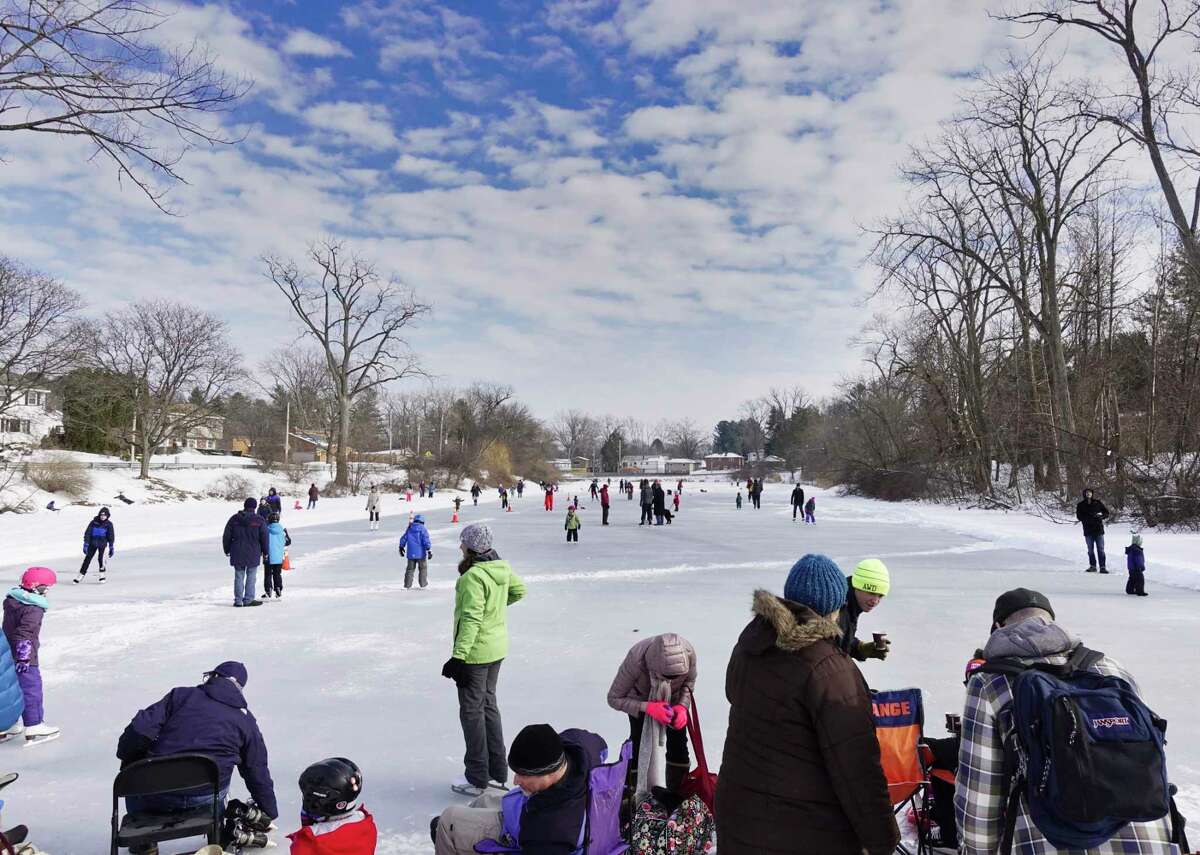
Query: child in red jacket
333,823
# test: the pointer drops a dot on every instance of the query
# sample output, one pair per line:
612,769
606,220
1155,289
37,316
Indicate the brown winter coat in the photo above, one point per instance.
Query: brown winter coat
660,658
801,770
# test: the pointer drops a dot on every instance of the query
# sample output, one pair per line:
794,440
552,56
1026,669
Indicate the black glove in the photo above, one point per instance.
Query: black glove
429,554
401,551
454,670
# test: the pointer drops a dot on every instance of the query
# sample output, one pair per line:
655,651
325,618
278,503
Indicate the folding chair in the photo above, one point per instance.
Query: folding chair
159,775
606,789
899,717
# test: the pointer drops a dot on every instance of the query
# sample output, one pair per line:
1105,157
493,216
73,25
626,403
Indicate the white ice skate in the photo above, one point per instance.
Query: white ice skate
12,733
465,788
39,733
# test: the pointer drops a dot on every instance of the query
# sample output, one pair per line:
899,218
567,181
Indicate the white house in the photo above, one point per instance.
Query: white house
29,419
562,464
681,466
644,464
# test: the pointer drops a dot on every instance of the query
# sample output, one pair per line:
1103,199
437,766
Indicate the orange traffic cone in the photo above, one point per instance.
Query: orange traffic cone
454,518
287,562
509,508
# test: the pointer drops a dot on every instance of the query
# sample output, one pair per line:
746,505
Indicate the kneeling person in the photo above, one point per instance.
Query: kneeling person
545,815
212,719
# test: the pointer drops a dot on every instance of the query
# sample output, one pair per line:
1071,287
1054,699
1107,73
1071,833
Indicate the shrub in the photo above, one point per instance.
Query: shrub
232,487
62,475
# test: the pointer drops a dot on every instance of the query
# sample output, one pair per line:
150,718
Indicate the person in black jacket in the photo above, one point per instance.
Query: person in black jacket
797,501
1092,513
546,814
98,535
245,541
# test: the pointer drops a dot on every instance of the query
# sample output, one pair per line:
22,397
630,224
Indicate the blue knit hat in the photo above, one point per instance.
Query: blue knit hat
817,582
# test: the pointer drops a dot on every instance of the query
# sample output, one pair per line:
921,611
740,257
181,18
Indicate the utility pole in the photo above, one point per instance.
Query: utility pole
287,431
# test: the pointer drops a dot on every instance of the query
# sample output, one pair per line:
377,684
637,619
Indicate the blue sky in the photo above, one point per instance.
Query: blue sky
639,207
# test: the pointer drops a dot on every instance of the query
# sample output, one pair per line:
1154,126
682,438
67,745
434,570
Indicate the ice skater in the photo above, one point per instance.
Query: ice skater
1135,562
503,499
278,540
373,508
572,525
24,608
475,491
98,535
797,501
738,501
418,549
675,501
810,511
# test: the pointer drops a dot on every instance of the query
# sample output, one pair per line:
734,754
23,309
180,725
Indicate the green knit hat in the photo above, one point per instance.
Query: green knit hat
871,577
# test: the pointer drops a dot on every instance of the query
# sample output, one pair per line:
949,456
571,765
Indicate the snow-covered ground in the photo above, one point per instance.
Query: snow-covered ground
349,662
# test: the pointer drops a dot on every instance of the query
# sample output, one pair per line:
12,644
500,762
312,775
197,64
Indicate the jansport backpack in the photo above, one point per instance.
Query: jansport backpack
1082,750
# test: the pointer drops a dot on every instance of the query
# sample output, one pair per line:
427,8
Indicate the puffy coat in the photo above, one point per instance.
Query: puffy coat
277,541
647,495
245,540
1135,559
604,496
23,613
1092,514
415,540
659,499
668,657
482,596
372,501
209,719
12,699
313,492
573,522
797,496
801,758
99,531
848,622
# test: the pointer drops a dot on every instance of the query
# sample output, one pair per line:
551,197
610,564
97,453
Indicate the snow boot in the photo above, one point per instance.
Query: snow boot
1103,571
1091,570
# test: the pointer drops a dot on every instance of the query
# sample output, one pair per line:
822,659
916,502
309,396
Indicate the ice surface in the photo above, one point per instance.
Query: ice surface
349,663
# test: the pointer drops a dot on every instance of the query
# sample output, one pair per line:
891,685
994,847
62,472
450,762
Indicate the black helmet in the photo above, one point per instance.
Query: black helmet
330,787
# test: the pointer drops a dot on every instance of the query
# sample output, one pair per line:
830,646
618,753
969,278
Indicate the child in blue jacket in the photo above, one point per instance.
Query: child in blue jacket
1135,562
277,541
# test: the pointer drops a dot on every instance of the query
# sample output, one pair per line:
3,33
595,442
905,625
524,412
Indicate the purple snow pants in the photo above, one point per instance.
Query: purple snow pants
31,688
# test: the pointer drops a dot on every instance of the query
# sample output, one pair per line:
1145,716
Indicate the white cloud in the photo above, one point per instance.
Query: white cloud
308,43
354,122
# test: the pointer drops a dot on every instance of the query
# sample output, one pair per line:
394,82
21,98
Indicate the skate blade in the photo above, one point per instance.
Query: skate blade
30,742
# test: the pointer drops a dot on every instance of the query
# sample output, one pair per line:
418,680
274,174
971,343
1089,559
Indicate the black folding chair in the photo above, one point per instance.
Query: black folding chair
160,775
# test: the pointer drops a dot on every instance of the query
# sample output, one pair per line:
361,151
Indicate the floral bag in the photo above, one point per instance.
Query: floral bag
657,830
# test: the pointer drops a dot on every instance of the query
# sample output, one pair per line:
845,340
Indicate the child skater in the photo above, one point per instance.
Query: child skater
810,510
278,540
573,525
24,608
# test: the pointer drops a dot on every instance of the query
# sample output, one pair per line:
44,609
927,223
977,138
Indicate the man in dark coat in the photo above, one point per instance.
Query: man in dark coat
797,501
210,719
245,542
659,502
801,770
1092,513
646,498
546,813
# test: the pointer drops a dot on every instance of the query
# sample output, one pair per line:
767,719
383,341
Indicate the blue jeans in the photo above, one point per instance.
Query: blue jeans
171,802
1095,545
243,584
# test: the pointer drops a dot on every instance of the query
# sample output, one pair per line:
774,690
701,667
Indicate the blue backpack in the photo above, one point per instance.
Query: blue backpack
1082,750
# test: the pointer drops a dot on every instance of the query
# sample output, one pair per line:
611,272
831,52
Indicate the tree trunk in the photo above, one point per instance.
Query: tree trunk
342,475
144,470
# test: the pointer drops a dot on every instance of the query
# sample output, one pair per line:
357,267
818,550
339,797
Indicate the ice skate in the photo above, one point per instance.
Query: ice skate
465,788
39,733
11,735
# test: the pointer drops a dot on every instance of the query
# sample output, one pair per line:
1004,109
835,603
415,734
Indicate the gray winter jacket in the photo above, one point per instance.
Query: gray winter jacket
647,495
667,658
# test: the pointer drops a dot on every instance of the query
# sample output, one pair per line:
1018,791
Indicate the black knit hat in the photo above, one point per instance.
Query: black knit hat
537,750
1011,602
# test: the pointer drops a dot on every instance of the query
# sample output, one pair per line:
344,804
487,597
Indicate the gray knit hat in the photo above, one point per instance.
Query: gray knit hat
477,537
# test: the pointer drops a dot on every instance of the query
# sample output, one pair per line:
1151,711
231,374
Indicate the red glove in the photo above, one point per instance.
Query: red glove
681,717
660,711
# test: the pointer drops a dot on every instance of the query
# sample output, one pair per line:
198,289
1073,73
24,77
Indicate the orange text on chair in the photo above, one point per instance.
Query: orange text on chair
899,717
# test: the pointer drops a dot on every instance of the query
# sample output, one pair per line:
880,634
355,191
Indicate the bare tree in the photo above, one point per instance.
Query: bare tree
37,342
1157,107
180,363
575,431
301,375
685,438
95,69
357,318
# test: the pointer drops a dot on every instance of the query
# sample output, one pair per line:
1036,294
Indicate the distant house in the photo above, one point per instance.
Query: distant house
725,461
681,466
207,434
769,461
307,447
29,419
561,464
644,464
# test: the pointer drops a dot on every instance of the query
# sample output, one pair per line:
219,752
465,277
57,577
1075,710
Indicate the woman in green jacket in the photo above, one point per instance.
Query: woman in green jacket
486,587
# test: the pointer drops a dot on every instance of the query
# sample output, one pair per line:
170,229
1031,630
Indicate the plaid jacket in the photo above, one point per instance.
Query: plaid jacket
981,790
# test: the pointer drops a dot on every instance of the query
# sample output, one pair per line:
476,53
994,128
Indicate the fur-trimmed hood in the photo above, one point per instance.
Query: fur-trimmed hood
796,626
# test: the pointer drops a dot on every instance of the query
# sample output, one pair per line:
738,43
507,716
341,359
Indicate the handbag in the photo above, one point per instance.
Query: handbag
699,781
657,830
